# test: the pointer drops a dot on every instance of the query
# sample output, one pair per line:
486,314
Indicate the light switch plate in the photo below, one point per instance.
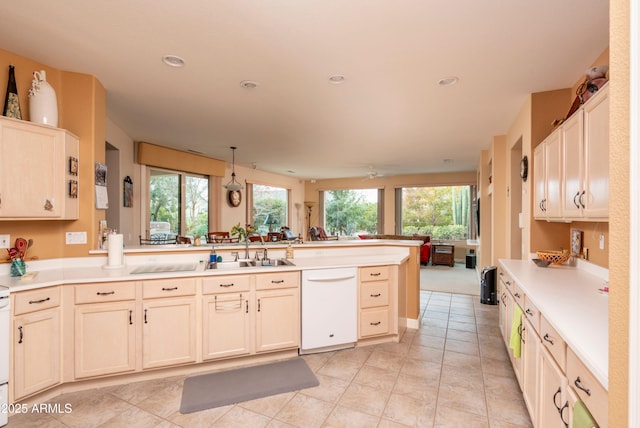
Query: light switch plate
601,243
5,241
76,238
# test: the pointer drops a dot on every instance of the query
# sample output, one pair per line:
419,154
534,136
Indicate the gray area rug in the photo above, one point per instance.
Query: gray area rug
446,279
234,386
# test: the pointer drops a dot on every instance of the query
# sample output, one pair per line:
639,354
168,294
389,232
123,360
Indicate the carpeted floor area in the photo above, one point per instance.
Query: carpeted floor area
457,279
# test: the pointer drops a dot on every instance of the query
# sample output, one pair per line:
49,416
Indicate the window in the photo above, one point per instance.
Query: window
440,212
178,204
270,208
352,212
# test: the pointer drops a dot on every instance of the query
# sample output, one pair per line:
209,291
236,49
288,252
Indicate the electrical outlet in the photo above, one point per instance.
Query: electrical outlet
601,242
5,241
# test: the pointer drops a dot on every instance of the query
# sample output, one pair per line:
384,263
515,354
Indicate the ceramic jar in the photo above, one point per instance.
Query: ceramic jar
43,105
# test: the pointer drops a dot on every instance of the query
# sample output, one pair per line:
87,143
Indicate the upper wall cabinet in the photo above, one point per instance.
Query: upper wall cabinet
38,172
547,175
585,158
571,166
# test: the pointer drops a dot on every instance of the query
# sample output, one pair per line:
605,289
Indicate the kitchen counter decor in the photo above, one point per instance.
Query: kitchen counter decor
43,104
554,257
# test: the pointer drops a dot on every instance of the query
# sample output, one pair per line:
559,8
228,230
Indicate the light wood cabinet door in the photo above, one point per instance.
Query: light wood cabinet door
36,348
168,332
553,175
277,319
553,406
104,339
539,195
530,363
226,325
31,173
596,156
572,164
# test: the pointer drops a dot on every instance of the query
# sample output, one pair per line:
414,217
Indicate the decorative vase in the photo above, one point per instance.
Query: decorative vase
11,101
18,268
43,105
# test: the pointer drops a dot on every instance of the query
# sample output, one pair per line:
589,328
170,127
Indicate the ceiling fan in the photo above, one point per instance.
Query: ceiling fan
372,173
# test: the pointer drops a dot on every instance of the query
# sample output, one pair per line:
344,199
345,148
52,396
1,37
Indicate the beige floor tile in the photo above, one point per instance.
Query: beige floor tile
138,391
315,361
376,377
463,398
457,360
464,336
329,390
33,420
433,331
305,411
366,399
500,386
165,402
444,315
425,353
463,347
432,341
511,410
90,409
417,388
342,417
466,317
387,423
386,360
345,370
425,370
352,355
464,326
268,406
136,418
409,411
497,367
435,322
239,417
447,417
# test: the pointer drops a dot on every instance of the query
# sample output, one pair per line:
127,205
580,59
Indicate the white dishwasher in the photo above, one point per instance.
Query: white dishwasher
329,309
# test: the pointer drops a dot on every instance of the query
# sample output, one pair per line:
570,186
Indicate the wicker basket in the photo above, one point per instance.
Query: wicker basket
554,257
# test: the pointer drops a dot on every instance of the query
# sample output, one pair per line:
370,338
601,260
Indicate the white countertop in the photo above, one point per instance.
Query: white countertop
92,269
569,298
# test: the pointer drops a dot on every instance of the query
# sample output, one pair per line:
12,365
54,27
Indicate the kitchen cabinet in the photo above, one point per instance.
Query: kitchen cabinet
277,306
105,329
168,322
36,341
585,166
35,169
547,176
553,406
226,319
377,311
587,388
530,364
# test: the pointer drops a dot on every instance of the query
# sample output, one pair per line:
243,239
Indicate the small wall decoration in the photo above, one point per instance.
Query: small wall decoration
234,197
127,192
73,188
102,199
576,242
73,165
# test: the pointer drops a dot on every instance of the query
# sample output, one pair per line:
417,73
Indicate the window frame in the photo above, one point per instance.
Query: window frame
251,201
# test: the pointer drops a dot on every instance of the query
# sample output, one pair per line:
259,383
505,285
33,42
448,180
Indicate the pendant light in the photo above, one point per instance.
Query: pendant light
233,185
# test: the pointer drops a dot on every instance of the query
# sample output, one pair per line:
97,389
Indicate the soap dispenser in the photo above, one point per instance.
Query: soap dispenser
213,258
289,252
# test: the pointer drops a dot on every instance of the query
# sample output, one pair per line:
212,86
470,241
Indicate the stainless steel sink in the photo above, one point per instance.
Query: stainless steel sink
250,263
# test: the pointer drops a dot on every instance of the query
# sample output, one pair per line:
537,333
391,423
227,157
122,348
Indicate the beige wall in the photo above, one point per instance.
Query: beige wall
81,110
619,215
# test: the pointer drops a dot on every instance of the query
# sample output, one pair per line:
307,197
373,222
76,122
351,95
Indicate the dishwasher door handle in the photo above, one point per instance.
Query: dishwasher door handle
334,278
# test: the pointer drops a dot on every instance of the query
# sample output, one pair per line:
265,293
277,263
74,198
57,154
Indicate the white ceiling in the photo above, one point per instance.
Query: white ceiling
389,114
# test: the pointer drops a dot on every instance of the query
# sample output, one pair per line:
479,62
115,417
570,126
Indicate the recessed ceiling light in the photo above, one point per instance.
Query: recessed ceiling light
448,81
249,84
173,61
336,79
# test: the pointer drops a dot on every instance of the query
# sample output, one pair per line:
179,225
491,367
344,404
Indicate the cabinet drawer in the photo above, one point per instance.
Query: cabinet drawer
518,294
374,273
374,294
268,281
506,280
532,313
374,322
588,388
226,284
36,300
105,292
168,288
554,343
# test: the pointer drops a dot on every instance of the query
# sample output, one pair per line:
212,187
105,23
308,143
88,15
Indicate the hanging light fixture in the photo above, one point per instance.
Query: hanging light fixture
233,185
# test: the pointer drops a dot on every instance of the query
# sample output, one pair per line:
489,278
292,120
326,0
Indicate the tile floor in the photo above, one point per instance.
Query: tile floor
452,372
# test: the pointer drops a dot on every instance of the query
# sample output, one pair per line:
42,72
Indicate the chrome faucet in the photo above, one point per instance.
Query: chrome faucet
265,254
246,249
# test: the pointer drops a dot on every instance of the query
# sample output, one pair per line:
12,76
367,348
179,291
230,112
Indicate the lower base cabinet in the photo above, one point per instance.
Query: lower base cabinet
168,332
36,347
104,339
226,325
277,319
553,407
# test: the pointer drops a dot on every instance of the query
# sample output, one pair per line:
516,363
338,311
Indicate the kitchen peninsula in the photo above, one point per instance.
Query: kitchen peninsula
83,325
